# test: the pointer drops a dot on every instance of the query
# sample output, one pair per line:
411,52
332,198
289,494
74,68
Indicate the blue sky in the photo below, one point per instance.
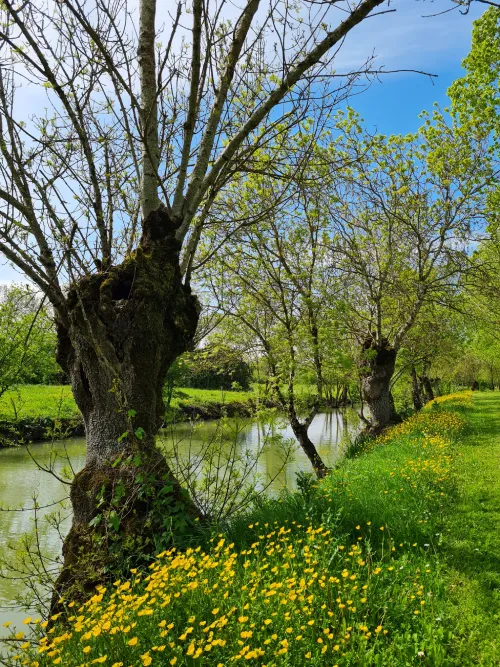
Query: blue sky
408,39
405,39
393,105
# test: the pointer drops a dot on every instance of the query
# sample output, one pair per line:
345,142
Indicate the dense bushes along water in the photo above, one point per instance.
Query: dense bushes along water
346,572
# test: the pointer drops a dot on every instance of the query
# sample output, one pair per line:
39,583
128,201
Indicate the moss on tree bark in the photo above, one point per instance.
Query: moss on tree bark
379,361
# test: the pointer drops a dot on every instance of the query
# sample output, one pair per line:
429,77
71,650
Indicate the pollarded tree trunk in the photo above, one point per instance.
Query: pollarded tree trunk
415,389
379,364
429,391
122,330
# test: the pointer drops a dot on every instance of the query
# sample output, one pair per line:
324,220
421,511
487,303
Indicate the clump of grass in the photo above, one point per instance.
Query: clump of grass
346,572
356,445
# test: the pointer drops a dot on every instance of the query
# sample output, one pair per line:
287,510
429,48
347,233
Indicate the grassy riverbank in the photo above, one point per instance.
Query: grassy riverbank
471,542
39,412
392,560
56,401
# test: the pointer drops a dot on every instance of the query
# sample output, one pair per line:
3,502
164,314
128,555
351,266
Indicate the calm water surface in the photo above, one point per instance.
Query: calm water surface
21,481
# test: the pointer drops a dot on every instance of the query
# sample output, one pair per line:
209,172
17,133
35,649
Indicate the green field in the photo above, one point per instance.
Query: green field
391,561
33,401
56,401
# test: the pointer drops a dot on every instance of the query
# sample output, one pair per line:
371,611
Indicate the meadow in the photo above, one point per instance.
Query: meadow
355,570
56,401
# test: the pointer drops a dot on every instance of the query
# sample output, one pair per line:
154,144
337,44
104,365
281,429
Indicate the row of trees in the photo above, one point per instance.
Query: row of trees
364,242
154,155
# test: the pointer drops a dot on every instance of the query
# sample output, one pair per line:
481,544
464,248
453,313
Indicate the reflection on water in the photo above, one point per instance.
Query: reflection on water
21,481
327,431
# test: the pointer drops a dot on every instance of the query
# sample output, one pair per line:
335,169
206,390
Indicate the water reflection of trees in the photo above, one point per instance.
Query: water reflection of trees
329,431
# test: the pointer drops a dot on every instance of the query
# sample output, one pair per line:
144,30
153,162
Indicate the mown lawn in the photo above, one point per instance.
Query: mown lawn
37,401
393,560
56,401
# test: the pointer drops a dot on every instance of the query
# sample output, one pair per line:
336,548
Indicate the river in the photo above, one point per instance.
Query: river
246,440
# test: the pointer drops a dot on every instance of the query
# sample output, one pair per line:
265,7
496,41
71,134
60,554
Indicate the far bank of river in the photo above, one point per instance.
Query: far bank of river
21,481
22,407
28,429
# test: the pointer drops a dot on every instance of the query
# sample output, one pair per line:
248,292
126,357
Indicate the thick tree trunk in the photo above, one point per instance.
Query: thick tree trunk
301,433
122,330
379,364
415,389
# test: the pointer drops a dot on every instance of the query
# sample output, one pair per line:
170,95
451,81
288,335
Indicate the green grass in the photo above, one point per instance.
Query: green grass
36,401
213,395
210,396
393,560
471,541
52,401
56,401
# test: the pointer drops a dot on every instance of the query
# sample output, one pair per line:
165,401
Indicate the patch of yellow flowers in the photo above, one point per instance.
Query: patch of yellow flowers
294,592
458,398
429,422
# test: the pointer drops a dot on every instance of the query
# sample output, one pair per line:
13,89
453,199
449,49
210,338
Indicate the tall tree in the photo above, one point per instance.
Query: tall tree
402,217
268,280
107,189
432,344
476,103
476,96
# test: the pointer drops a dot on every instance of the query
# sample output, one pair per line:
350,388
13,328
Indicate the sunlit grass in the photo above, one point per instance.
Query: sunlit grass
56,401
37,401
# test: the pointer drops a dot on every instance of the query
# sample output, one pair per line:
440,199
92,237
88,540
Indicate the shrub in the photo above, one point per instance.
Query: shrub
214,367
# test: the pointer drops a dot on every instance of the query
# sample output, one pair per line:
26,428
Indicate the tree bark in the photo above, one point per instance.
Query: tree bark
149,107
121,331
301,433
343,401
427,389
378,368
415,390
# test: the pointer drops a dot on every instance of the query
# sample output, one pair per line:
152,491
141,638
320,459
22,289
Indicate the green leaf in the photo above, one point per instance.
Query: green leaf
114,520
140,433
